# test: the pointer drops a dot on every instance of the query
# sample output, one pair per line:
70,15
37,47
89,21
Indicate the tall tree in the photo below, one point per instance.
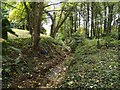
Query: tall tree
92,17
105,19
75,19
110,16
119,22
71,23
34,19
63,15
87,20
29,15
38,12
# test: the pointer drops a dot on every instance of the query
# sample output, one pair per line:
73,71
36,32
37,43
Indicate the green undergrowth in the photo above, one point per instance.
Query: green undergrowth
19,60
92,67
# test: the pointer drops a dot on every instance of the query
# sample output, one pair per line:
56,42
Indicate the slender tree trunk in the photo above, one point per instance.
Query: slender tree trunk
60,24
94,28
105,20
87,22
119,25
92,13
53,25
75,21
65,32
29,21
119,30
95,25
98,35
79,19
71,24
0,25
110,16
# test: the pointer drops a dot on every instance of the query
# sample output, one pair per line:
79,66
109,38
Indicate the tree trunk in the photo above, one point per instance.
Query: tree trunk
60,24
110,16
98,34
95,25
37,25
53,25
79,19
92,24
75,21
105,20
65,32
29,21
87,21
119,32
119,25
71,24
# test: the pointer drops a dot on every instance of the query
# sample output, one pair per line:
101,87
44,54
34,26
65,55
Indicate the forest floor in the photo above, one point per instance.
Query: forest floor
93,68
55,66
24,69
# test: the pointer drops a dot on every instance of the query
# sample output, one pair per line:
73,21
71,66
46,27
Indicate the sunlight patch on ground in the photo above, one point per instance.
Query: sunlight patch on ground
22,34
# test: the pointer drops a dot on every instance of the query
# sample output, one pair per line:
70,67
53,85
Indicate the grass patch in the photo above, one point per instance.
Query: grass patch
22,34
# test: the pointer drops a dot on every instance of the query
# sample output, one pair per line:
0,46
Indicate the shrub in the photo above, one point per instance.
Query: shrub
75,40
114,35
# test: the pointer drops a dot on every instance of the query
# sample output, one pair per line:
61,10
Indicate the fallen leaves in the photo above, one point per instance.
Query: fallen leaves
29,69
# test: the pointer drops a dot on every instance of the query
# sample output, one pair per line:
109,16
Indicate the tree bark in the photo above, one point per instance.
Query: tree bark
75,20
110,16
37,24
87,21
71,24
29,27
105,20
53,25
79,19
92,15
60,24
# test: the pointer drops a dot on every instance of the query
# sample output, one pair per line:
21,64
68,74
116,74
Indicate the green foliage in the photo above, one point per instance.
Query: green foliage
12,63
43,31
86,48
114,35
17,13
75,39
93,68
111,39
60,36
17,16
5,7
4,45
6,28
18,63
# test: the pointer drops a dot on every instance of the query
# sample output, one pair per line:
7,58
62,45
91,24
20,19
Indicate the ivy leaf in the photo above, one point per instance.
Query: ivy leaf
15,49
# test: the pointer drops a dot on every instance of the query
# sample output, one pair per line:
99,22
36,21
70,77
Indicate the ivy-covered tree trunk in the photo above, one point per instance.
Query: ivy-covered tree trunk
119,29
87,21
105,20
79,18
110,16
53,24
119,24
37,24
92,23
75,20
71,23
